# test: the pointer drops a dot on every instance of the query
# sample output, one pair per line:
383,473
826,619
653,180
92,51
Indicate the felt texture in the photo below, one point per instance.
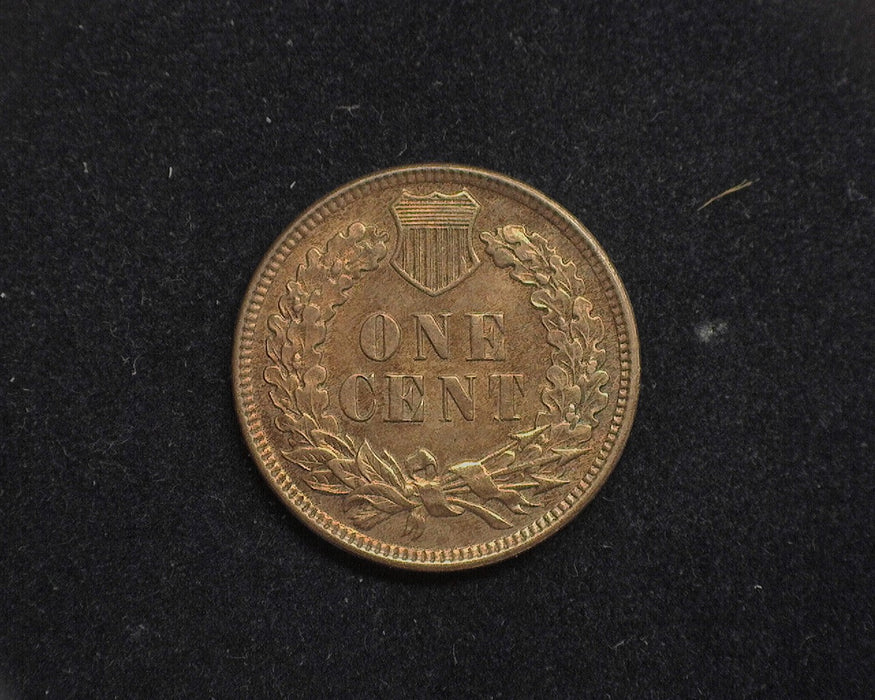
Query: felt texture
151,154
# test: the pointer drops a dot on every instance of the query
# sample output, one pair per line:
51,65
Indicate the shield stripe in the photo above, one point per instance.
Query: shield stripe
429,258
440,258
423,235
458,259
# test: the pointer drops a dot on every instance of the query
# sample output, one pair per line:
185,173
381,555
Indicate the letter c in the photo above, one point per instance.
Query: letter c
349,397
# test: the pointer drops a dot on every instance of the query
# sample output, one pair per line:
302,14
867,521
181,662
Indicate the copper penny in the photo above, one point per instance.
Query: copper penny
436,367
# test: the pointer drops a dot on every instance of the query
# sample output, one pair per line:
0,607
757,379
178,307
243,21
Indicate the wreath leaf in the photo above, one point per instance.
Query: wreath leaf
491,518
366,516
376,470
308,457
381,496
332,441
322,481
275,375
414,526
283,401
343,470
311,397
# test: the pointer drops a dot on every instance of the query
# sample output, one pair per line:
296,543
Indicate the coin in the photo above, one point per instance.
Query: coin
436,367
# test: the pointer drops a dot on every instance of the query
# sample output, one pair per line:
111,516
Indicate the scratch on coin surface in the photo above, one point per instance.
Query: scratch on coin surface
734,188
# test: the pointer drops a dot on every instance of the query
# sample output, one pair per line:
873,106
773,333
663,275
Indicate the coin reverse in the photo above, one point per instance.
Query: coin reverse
436,367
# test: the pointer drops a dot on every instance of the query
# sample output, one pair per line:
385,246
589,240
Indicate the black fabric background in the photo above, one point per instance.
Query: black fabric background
152,153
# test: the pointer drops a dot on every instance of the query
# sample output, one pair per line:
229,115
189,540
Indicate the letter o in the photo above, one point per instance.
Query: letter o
379,336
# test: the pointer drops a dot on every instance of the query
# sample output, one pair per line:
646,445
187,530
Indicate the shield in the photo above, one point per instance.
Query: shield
434,251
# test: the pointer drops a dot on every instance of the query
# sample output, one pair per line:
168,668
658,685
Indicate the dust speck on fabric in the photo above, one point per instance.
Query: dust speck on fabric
708,331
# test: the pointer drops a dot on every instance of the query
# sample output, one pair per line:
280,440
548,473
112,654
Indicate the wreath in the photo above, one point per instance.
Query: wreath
373,483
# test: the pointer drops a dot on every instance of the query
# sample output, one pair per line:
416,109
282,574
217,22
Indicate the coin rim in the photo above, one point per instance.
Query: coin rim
296,233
